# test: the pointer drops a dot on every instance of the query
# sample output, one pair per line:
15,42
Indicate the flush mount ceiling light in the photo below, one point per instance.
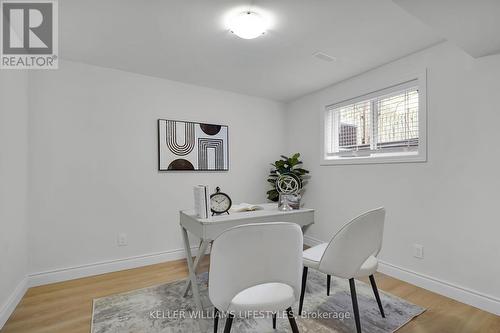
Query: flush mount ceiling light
248,25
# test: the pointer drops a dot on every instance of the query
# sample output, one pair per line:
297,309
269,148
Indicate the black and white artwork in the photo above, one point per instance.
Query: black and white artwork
184,145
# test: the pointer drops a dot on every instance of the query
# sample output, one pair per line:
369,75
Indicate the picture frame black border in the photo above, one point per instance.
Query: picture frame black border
195,170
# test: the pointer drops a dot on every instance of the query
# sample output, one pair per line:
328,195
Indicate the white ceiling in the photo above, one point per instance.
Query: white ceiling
186,40
473,25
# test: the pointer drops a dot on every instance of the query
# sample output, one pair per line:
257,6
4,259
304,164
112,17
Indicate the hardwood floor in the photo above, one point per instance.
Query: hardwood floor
67,307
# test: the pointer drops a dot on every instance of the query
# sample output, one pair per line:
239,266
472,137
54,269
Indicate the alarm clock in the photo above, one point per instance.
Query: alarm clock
220,202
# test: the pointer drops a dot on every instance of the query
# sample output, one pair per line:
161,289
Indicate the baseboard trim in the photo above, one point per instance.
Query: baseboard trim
311,241
459,293
462,294
448,289
13,301
81,271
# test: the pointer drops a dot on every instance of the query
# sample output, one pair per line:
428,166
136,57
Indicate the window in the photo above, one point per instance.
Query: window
384,126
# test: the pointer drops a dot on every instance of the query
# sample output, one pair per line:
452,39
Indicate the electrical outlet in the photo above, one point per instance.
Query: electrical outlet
122,239
418,251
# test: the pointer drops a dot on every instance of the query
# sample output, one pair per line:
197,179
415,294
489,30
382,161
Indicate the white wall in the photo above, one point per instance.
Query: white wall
13,188
93,137
93,167
450,203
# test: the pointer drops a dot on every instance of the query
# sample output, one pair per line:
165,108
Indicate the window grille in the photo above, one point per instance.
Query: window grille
385,122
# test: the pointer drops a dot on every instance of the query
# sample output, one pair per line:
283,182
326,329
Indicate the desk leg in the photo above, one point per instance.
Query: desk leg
201,254
192,274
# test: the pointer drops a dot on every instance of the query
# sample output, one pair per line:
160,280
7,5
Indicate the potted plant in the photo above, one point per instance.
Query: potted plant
286,166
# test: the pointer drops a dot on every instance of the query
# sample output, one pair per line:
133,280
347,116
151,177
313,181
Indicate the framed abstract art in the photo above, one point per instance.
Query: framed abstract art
189,146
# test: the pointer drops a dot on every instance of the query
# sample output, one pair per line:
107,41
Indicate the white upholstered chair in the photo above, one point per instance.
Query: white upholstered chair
256,267
351,253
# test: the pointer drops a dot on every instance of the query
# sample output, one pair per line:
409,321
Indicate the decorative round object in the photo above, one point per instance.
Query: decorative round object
220,202
288,184
210,129
180,164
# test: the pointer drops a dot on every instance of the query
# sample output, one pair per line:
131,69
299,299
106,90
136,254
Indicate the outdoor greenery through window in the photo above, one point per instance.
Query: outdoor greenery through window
383,124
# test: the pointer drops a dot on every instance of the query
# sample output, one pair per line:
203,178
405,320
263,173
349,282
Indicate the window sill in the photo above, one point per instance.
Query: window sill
412,157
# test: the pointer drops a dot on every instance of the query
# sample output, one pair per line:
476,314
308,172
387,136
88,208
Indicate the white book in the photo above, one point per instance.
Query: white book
245,207
201,201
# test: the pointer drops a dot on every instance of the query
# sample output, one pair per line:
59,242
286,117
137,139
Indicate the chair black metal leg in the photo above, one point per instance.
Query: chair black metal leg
303,291
292,321
328,280
216,319
229,323
377,296
355,305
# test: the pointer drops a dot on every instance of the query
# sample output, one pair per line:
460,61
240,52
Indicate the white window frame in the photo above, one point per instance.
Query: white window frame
420,155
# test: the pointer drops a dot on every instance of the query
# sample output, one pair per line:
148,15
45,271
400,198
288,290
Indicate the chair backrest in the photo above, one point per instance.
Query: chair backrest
253,254
355,242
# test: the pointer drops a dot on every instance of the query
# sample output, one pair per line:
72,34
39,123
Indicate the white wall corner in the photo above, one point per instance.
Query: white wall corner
14,299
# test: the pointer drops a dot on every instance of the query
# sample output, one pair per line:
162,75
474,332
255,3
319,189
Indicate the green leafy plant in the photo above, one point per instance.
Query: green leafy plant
286,165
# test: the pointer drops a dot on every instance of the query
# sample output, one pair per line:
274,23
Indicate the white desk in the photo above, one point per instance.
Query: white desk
208,229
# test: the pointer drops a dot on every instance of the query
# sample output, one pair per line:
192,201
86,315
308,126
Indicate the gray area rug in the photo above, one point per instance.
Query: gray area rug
162,309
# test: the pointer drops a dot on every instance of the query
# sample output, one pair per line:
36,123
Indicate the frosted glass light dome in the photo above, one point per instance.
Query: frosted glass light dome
248,25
